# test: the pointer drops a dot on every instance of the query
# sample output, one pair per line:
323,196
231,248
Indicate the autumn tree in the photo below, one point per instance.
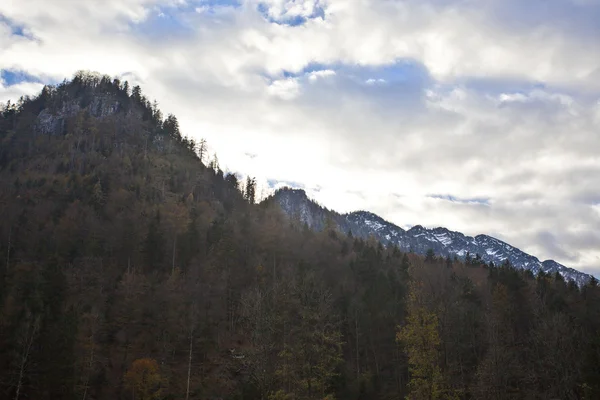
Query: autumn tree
421,340
143,379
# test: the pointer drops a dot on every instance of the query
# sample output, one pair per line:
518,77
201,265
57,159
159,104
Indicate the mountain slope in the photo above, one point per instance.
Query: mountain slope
125,257
418,239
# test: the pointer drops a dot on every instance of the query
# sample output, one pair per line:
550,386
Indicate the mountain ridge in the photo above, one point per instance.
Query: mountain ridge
418,239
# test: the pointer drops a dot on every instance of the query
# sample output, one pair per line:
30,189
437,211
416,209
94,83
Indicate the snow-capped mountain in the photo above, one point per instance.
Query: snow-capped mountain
418,239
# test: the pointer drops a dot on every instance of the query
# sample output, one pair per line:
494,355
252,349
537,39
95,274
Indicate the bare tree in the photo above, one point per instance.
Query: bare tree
31,330
202,150
192,325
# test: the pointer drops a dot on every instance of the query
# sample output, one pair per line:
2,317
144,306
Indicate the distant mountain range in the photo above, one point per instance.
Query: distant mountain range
296,204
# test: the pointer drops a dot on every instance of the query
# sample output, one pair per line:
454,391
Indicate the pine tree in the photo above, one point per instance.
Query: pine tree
430,256
171,127
313,347
136,93
449,261
405,265
250,192
154,245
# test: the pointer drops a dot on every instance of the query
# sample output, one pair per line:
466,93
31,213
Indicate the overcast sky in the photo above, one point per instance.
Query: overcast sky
482,116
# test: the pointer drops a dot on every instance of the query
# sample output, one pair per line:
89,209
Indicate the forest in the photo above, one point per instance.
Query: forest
133,267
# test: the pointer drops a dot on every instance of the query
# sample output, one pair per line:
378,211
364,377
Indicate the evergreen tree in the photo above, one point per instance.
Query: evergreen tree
250,192
171,127
430,256
449,261
154,252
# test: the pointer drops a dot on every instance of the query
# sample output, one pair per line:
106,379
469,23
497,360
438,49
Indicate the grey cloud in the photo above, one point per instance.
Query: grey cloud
552,247
444,130
580,17
583,240
454,199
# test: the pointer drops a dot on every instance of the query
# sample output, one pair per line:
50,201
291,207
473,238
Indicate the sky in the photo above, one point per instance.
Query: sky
480,116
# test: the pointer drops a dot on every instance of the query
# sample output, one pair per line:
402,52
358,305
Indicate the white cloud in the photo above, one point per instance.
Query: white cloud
314,75
286,89
14,92
507,108
282,10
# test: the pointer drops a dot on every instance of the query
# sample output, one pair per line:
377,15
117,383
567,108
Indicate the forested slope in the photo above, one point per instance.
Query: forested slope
133,268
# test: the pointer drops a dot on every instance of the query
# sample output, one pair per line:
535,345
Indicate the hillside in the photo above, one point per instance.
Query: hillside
443,242
132,267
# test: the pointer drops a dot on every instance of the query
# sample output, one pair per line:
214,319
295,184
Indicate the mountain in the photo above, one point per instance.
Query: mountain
131,268
295,203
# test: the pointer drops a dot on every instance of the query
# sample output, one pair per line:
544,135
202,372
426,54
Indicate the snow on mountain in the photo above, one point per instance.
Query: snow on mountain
418,239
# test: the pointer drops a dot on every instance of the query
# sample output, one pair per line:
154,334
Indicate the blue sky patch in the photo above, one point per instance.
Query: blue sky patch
274,183
178,21
401,71
217,3
498,86
15,28
13,77
579,16
295,20
454,199
211,7
312,67
163,22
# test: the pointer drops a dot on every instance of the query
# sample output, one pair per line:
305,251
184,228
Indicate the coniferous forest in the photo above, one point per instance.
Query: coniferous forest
133,267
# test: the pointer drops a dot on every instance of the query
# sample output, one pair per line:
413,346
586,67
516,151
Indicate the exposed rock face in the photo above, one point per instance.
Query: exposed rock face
51,122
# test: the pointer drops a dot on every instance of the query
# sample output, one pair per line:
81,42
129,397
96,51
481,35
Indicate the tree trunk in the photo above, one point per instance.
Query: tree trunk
274,271
173,262
187,392
357,354
26,350
91,359
8,249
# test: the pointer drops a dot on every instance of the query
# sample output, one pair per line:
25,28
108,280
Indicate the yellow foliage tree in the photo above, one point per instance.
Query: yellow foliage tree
144,379
421,339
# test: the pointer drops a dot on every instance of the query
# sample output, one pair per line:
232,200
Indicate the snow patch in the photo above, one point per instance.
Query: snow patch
443,238
491,252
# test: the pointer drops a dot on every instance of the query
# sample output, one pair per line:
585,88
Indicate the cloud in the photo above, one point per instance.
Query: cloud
286,89
290,12
314,75
553,246
14,91
372,81
455,199
493,107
